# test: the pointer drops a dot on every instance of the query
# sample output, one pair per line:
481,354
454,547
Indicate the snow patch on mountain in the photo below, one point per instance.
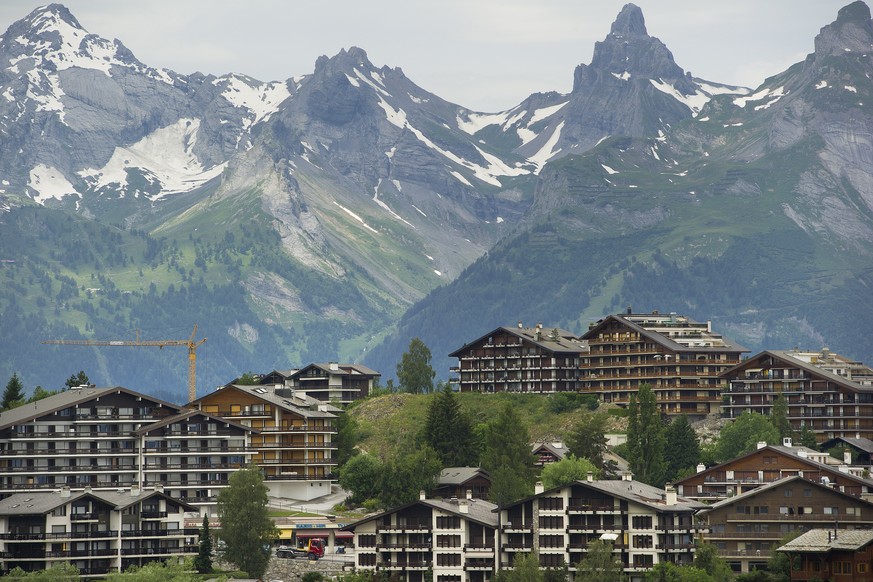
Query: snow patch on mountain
548,150
356,217
260,99
694,102
778,92
166,155
545,112
476,121
47,183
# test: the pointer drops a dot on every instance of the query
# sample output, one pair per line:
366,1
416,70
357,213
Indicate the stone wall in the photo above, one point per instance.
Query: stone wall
292,570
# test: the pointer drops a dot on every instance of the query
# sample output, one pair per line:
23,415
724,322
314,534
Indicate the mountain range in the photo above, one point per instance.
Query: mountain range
336,215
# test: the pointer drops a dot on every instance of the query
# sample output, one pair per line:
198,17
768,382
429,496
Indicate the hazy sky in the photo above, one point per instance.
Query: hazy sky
486,55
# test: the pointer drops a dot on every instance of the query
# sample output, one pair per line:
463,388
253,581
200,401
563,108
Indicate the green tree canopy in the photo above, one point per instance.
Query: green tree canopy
407,474
779,417
600,564
507,456
742,436
360,477
645,438
414,372
567,470
347,437
448,431
57,573
707,559
13,395
587,439
76,380
246,527
682,448
670,572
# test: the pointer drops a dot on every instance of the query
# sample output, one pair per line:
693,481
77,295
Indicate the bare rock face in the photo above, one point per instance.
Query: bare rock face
851,32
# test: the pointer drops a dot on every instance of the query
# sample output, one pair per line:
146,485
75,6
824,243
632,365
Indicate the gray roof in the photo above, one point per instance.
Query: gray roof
478,510
776,484
65,399
674,346
862,444
812,369
297,404
188,413
825,540
341,369
632,491
45,501
552,339
559,452
459,475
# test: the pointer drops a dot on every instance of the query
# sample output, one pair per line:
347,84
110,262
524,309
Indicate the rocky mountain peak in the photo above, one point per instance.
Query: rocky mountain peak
851,31
629,22
629,50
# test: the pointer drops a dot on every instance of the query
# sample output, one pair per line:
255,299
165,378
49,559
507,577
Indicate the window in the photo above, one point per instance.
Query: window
642,522
551,522
448,559
444,541
367,559
446,578
644,561
448,522
863,568
552,541
643,541
807,492
789,492
552,503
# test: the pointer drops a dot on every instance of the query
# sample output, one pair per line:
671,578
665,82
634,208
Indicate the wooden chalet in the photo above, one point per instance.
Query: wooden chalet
831,554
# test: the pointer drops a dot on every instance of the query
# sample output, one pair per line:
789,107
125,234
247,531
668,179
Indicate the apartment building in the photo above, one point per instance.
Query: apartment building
769,463
110,438
98,532
825,392
681,359
746,527
647,525
454,539
520,359
293,435
327,382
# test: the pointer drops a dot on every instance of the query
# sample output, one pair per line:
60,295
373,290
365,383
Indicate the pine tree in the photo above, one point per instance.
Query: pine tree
203,560
682,449
645,438
588,438
14,394
507,457
449,431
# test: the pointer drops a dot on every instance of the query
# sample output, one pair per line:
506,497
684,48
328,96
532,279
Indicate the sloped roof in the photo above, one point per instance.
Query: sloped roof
296,404
821,541
62,400
786,357
659,338
186,414
478,510
552,339
45,501
776,485
559,452
460,475
862,444
341,369
632,491
789,451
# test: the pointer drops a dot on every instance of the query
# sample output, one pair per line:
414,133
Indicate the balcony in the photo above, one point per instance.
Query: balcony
480,564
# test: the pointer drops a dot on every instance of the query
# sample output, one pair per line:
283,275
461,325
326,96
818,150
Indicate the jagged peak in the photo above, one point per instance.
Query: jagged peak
852,31
630,21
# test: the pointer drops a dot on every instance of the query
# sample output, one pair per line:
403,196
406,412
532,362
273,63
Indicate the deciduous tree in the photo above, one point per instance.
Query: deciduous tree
600,564
742,436
414,372
407,474
567,470
246,527
645,438
360,477
588,438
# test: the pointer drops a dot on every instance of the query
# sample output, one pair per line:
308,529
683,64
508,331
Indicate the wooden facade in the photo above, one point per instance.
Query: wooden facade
829,554
747,527
680,359
765,465
330,382
292,440
832,405
520,359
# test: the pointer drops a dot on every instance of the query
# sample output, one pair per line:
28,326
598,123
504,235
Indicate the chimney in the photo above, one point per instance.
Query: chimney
464,506
701,468
762,444
589,477
786,441
629,310
847,457
87,489
669,494
421,495
627,476
134,490
159,487
65,491
469,494
519,324
538,488
333,366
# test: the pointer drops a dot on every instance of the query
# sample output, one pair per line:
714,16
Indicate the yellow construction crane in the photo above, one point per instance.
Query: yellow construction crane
189,343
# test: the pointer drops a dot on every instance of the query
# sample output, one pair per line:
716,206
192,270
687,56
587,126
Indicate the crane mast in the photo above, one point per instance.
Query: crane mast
189,343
